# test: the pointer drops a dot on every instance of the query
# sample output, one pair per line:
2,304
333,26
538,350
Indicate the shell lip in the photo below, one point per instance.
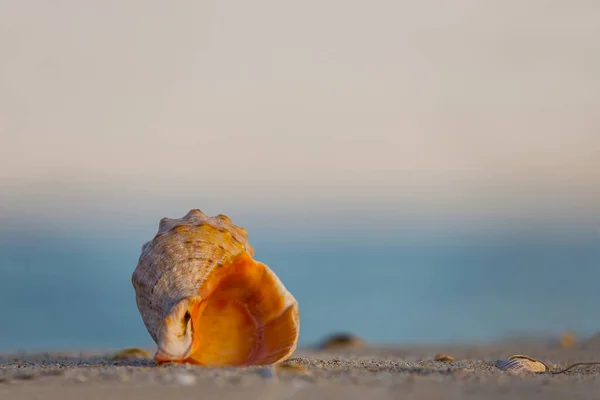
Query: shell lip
163,356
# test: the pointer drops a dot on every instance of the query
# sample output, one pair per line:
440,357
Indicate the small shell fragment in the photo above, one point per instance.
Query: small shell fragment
291,368
443,358
522,365
131,354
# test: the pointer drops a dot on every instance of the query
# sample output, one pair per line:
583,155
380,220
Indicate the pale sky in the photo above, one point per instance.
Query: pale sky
327,105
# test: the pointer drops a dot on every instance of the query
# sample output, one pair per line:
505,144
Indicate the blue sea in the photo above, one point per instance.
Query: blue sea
75,292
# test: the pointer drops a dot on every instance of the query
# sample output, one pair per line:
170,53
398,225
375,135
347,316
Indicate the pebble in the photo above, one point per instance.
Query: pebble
184,379
266,373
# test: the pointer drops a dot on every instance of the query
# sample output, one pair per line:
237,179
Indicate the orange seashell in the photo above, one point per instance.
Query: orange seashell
205,300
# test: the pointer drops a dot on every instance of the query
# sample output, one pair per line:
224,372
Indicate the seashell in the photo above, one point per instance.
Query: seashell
342,341
443,358
567,340
522,364
131,354
204,299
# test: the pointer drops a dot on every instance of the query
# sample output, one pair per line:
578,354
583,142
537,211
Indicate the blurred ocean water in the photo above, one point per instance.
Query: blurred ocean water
72,292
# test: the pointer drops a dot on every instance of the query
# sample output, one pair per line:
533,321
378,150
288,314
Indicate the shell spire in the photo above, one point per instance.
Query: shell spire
205,300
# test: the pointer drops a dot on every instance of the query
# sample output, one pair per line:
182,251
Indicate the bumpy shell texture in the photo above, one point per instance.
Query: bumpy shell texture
182,259
176,262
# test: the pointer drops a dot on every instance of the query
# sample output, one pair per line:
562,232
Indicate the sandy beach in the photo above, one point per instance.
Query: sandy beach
371,372
233,178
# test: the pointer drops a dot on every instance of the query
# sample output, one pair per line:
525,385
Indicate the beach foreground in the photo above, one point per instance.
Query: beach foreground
382,373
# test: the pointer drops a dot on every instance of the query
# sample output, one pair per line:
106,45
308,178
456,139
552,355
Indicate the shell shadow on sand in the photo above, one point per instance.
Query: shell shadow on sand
341,341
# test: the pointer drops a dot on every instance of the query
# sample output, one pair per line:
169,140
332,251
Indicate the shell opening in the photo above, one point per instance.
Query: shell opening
245,317
176,334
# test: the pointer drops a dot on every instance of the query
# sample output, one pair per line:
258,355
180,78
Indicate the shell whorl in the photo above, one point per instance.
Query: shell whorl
175,263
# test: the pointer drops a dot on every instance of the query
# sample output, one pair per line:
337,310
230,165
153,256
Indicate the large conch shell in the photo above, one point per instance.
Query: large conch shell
205,301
